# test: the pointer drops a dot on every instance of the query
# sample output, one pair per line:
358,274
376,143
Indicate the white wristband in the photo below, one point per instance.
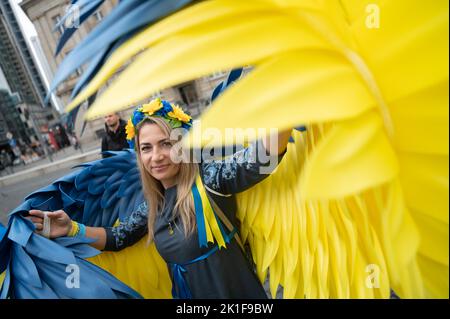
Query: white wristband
46,226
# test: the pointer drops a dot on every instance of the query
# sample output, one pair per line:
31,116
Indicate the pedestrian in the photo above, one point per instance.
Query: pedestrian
115,138
74,141
64,138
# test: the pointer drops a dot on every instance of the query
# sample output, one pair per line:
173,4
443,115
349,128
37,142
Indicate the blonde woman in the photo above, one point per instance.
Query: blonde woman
190,213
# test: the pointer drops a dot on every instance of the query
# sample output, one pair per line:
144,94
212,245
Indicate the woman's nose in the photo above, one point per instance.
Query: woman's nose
158,154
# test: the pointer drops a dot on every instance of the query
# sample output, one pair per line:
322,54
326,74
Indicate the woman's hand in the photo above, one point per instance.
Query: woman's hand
282,139
60,222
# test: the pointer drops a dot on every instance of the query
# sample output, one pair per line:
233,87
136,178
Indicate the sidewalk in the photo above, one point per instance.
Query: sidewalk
67,157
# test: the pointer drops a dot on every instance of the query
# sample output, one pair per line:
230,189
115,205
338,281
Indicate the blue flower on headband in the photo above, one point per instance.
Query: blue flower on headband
187,126
131,143
138,116
167,108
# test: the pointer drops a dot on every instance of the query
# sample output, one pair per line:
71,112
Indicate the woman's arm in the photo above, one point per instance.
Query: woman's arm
282,141
245,168
128,232
61,225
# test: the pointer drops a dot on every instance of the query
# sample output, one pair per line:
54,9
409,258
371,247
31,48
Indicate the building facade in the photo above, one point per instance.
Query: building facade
22,89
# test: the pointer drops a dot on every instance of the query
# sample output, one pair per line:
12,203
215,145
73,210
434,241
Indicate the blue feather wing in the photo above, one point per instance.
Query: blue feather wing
80,10
36,267
125,20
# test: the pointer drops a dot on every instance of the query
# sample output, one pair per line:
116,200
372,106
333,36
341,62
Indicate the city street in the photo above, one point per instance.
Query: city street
12,195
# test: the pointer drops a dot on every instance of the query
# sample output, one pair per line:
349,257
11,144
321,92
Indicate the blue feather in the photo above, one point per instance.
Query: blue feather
79,246
46,189
24,267
90,284
20,230
82,180
94,66
66,198
5,292
5,244
91,206
42,201
69,178
47,249
234,75
97,185
126,18
22,291
45,260
84,13
109,198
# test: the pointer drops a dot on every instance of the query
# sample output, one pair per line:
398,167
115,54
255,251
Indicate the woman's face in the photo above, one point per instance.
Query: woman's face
154,148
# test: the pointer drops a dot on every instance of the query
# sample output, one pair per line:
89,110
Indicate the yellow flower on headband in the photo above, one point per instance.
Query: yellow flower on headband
152,107
179,114
130,130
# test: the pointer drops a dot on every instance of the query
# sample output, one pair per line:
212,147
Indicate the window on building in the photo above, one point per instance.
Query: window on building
79,71
188,93
156,95
16,98
50,117
56,19
98,15
217,75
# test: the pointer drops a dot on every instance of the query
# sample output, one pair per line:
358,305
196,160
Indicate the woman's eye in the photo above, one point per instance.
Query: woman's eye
145,148
167,144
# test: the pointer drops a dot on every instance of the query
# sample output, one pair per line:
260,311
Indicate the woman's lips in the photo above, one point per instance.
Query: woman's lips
160,168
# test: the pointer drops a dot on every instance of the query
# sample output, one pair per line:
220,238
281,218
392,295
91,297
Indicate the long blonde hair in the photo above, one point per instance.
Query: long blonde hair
153,189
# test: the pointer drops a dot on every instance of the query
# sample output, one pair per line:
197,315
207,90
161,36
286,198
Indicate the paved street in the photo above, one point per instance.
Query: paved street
12,195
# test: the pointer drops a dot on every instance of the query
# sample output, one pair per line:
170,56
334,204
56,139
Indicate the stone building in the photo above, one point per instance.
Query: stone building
23,113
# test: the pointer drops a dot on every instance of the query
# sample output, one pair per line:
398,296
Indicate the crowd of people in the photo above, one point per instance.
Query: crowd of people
21,153
59,137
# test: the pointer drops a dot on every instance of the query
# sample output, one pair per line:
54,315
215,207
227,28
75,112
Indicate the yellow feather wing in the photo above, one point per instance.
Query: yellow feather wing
365,194
359,246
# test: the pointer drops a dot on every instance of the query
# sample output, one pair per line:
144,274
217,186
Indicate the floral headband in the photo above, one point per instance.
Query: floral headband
172,114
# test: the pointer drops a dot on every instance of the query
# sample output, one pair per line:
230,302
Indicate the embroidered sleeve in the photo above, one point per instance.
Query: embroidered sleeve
239,171
128,232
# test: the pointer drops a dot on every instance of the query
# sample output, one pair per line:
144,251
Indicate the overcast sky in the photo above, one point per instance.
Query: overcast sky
23,19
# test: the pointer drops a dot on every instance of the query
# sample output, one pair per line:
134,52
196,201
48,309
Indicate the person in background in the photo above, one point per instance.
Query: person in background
115,138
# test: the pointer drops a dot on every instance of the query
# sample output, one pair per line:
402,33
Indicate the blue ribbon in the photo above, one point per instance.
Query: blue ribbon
180,288
224,234
202,240
180,283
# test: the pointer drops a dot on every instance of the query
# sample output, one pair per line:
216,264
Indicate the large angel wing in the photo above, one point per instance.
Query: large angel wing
101,193
359,246
373,93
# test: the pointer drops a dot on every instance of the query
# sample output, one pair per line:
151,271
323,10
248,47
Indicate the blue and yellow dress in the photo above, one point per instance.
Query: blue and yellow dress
199,269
